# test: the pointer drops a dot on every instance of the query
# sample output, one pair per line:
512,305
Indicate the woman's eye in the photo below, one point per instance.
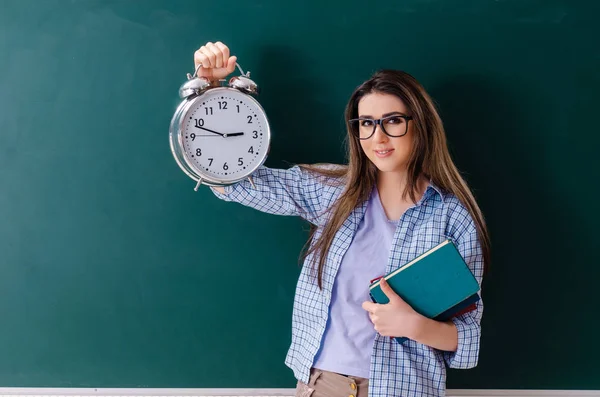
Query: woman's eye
395,120
366,123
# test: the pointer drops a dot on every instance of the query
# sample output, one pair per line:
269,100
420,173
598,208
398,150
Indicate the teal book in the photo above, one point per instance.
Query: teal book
437,284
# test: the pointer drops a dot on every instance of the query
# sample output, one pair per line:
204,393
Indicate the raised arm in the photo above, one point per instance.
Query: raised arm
292,192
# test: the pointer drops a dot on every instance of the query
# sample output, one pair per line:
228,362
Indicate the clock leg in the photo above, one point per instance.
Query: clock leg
252,182
198,185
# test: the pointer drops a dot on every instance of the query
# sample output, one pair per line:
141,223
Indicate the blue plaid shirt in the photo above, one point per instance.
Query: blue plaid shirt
410,369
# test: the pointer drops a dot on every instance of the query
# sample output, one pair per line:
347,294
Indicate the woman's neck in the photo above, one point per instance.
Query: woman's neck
393,184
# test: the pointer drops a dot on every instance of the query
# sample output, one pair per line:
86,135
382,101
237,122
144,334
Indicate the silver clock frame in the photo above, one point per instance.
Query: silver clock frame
176,129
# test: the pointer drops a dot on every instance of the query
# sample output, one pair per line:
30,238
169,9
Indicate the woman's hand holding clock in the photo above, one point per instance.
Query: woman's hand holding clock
215,60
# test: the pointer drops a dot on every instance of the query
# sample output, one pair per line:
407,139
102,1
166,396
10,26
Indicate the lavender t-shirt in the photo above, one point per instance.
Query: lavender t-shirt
348,340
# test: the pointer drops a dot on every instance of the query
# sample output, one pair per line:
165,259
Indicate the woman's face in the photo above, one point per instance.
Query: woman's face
389,154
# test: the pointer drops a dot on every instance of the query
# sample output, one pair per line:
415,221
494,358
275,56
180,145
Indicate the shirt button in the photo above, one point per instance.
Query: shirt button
353,386
351,395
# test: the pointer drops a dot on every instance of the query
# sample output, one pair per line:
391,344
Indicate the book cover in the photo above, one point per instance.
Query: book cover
437,284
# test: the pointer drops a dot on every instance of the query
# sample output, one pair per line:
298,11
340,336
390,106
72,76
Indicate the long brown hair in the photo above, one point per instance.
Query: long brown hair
430,157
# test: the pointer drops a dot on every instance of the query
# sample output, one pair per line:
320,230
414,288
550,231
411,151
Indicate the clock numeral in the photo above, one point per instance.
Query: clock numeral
223,105
225,167
211,160
240,161
249,119
254,134
199,122
207,111
198,152
193,136
238,108
251,150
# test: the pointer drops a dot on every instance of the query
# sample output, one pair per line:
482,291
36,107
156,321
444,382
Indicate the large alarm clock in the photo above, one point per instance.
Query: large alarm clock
219,135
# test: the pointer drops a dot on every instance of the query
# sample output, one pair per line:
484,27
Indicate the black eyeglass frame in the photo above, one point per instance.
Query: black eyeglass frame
380,122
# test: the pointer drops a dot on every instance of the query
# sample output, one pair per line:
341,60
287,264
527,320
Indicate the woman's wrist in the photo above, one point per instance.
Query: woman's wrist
441,335
419,327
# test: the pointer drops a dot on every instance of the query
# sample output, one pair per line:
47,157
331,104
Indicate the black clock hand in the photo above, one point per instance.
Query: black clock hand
206,129
223,135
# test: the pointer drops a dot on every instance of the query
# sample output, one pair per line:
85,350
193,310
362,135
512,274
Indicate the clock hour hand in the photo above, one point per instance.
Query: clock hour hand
223,135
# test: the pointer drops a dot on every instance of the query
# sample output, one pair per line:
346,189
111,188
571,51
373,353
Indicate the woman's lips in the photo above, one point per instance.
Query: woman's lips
383,153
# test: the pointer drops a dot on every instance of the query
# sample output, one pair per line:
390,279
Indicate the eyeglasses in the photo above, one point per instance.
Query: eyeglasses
394,126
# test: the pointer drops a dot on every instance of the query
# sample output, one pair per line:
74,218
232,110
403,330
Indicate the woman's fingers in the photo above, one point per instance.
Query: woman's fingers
224,52
211,56
231,64
200,58
217,53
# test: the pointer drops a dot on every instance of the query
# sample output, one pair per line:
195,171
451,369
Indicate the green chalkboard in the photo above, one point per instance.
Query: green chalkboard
115,273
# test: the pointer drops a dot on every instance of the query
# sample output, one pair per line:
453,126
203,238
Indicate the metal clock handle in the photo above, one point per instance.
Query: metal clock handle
189,76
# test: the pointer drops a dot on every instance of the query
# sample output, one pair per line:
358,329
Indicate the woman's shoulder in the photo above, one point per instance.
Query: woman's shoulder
325,174
459,219
324,182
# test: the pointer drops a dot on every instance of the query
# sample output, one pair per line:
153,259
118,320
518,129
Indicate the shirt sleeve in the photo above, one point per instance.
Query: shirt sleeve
278,191
468,324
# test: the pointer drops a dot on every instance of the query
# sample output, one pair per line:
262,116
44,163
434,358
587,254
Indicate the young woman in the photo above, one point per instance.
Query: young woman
399,195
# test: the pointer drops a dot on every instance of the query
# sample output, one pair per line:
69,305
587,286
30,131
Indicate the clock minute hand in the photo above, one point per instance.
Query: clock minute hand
206,129
223,135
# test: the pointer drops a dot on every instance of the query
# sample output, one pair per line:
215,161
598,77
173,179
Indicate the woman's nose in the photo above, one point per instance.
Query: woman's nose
379,135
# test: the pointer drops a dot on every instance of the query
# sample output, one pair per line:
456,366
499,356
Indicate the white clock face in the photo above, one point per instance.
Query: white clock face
225,134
